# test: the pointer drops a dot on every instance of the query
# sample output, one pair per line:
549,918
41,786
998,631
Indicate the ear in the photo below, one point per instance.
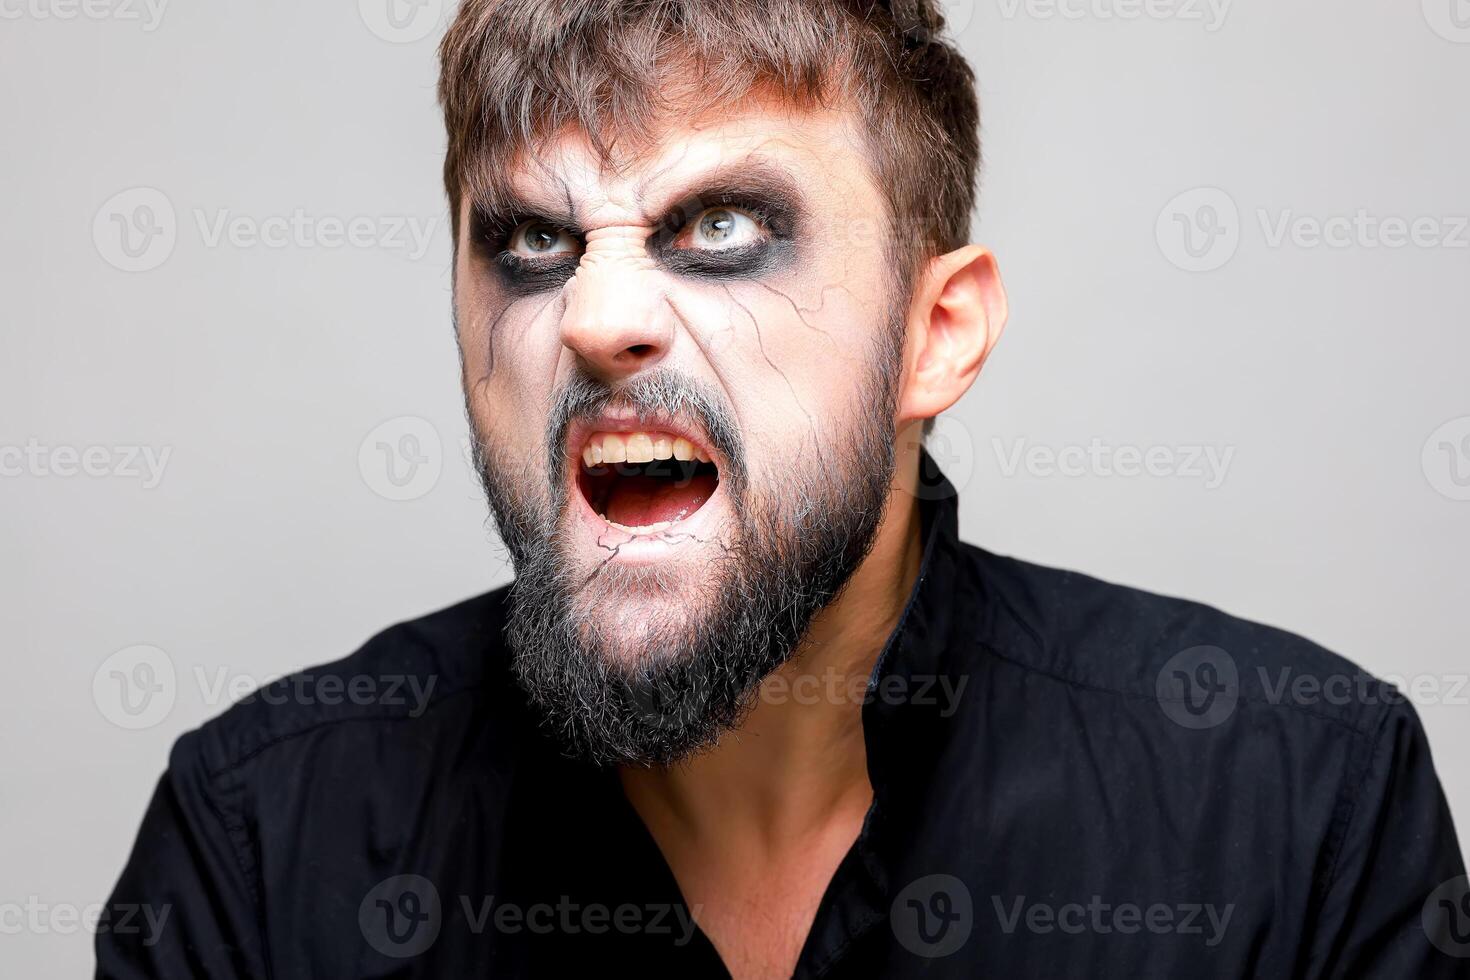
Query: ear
955,318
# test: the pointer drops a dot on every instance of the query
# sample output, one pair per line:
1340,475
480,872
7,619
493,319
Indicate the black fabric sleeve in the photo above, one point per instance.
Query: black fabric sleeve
1382,915
185,905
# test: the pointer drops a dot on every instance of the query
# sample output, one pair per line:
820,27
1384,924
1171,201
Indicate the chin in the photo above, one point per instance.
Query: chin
641,614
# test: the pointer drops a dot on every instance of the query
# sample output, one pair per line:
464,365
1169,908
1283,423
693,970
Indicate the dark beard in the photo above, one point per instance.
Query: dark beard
699,669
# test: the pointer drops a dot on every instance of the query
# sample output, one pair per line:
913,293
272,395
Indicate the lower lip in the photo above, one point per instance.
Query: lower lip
645,547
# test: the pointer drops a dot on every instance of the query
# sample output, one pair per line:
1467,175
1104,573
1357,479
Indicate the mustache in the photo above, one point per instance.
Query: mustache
659,393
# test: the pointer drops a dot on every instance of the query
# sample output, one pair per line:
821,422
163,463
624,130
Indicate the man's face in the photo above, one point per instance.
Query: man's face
681,375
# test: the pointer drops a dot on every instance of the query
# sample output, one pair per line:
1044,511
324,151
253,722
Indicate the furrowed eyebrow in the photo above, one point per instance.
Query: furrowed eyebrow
513,208
753,175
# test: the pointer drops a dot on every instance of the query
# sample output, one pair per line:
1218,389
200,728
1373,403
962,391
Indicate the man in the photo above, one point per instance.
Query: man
751,708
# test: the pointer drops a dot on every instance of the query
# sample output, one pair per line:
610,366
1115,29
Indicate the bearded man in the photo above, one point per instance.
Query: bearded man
750,707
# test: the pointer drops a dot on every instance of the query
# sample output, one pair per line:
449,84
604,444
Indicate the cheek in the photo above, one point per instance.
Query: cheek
509,356
795,352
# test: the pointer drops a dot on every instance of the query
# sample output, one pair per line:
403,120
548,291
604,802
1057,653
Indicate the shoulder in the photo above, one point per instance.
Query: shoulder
1137,646
408,681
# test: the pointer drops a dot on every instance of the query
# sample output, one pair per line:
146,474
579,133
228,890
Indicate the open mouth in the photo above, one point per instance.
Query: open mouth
643,482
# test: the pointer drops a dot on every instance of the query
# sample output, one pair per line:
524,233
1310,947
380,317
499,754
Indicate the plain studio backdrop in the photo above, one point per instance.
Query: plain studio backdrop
1235,239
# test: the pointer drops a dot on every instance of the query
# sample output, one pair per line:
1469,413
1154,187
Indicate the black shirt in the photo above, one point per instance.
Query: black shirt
1071,779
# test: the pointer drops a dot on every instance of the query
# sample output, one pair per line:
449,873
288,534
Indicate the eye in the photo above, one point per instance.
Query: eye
533,239
720,228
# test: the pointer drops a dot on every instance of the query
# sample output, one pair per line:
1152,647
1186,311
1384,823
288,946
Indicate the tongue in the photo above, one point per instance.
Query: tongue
638,501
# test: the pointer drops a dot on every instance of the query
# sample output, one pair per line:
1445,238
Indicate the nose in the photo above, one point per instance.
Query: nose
615,319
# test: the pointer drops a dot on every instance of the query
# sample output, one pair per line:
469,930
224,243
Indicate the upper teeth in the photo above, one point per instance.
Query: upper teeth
639,447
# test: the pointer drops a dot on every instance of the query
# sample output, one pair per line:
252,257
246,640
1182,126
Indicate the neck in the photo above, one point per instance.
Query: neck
798,761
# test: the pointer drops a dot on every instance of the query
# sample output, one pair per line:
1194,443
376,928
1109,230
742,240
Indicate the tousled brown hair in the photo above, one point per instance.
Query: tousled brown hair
514,72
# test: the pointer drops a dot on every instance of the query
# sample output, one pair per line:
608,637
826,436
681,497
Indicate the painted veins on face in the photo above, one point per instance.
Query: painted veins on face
678,369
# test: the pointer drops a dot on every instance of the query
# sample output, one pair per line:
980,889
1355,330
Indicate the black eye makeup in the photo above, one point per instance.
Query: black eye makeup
726,234
530,254
734,230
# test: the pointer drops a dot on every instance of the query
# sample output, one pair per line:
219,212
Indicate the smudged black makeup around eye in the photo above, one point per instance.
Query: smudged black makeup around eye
524,276
773,213
520,275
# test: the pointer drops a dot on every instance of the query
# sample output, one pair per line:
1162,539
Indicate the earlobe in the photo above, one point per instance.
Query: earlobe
957,315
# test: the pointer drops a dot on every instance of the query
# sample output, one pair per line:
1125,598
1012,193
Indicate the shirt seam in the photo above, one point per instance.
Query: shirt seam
238,834
1352,806
1155,699
252,754
250,872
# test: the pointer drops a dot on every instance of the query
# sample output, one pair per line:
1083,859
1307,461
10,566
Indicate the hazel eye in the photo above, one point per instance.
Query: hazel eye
720,228
534,239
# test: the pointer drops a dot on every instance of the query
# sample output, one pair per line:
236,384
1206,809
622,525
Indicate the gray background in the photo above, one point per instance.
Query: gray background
1335,375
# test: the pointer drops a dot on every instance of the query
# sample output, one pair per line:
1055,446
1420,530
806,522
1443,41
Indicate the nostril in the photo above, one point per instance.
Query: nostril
640,350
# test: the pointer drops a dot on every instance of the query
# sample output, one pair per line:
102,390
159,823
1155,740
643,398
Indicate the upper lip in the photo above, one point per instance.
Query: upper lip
583,429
